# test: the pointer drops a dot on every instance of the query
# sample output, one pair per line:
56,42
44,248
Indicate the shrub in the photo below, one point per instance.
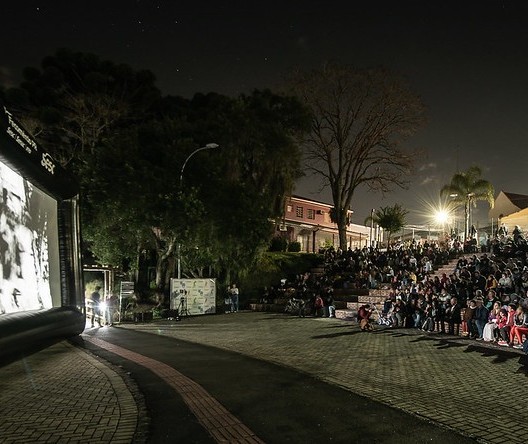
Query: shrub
272,267
278,244
294,247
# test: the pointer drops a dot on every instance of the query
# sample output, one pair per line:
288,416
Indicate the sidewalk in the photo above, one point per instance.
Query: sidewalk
63,394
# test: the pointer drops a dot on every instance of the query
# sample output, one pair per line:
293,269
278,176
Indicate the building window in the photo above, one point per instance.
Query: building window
299,211
310,213
289,208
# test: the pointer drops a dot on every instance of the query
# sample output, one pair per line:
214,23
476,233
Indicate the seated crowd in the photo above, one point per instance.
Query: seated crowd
484,297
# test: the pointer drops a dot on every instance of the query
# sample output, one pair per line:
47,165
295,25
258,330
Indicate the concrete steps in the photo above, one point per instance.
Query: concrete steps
351,310
346,307
448,269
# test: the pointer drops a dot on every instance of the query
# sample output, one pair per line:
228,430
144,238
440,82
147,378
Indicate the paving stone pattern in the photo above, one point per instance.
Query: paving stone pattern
216,419
476,389
64,395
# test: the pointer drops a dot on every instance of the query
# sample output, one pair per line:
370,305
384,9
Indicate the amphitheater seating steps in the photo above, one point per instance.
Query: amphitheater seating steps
346,305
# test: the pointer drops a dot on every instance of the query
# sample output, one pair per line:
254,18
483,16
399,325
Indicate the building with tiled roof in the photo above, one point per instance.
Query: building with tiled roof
308,222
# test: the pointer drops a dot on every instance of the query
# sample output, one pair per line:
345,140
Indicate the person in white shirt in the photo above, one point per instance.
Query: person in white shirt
233,291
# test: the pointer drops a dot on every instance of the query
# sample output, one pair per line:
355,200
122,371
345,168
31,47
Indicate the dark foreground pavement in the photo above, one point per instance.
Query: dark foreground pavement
120,385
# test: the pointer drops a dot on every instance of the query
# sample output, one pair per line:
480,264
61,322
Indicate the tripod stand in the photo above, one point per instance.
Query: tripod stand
182,308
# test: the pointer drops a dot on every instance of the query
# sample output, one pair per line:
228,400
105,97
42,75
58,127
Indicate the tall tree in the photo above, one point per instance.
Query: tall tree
391,219
85,110
258,163
76,101
360,118
466,189
127,145
219,214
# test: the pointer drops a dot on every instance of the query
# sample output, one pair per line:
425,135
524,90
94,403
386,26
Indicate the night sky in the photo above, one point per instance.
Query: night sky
468,60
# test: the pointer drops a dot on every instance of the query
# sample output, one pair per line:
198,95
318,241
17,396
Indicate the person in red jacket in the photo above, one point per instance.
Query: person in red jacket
318,305
364,313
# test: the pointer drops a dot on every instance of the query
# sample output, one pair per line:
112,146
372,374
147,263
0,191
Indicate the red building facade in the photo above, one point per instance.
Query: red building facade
308,222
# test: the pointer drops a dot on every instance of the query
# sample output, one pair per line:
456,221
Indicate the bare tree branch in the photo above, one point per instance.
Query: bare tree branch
360,118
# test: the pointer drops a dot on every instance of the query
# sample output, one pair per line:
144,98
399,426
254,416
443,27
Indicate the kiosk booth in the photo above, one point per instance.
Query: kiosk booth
41,285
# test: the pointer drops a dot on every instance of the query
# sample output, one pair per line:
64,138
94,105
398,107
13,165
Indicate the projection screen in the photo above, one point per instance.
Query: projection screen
41,288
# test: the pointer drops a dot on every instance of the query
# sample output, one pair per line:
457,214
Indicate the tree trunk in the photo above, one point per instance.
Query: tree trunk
164,253
341,222
161,272
466,220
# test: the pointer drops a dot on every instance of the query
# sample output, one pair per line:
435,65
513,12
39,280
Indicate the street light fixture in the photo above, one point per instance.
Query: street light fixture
441,216
209,146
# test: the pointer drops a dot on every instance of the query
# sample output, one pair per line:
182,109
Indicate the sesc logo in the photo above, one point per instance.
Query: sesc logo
47,162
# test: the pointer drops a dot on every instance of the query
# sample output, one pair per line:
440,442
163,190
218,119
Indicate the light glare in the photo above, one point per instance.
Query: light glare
441,216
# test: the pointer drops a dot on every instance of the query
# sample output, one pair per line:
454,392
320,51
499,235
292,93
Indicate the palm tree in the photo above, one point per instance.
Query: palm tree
391,219
465,189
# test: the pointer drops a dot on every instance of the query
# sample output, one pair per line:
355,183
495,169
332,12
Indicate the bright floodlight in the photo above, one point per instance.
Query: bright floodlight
441,216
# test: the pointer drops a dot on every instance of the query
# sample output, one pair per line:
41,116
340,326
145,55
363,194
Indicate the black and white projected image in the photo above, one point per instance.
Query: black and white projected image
29,251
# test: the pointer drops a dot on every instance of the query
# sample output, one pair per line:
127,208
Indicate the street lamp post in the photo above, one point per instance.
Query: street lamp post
372,227
470,201
209,146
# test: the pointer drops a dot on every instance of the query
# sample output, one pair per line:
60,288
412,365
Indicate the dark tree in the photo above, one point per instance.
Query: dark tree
360,119
127,146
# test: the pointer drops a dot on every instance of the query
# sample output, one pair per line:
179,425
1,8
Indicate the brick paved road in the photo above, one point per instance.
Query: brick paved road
454,382
64,395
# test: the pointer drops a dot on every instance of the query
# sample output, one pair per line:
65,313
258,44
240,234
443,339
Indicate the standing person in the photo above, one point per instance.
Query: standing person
468,316
234,293
227,301
112,308
454,317
96,305
480,318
